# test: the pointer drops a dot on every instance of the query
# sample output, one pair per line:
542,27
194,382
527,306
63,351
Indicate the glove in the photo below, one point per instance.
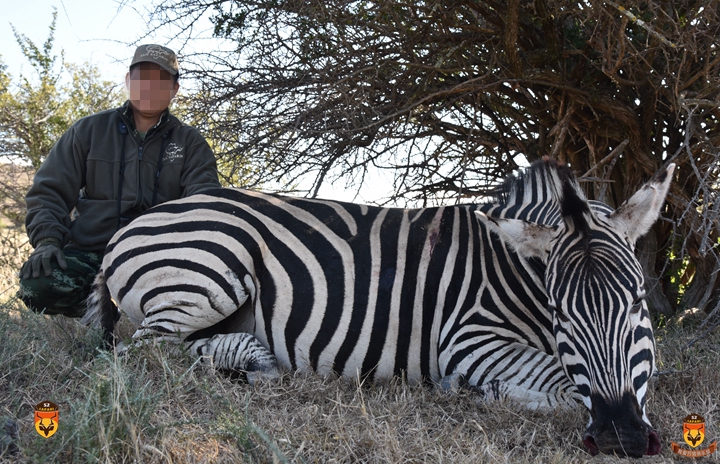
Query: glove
47,248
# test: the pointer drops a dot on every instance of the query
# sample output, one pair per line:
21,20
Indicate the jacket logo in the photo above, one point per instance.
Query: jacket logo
173,152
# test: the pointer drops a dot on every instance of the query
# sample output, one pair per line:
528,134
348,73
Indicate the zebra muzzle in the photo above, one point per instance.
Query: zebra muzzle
618,427
622,443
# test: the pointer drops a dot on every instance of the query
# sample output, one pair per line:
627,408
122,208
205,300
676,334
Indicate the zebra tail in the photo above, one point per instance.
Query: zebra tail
101,311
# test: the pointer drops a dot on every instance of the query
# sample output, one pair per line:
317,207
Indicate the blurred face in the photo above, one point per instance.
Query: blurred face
151,88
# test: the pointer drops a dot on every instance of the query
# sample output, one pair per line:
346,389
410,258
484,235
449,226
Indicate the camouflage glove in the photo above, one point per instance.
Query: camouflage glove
47,248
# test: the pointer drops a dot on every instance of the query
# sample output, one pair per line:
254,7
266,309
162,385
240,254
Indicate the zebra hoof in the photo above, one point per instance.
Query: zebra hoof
121,349
9,436
254,376
490,391
453,383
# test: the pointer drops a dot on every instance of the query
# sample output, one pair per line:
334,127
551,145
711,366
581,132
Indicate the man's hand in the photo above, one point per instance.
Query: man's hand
47,248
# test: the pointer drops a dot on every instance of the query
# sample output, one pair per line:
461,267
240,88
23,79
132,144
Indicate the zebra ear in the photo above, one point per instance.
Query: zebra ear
528,239
635,217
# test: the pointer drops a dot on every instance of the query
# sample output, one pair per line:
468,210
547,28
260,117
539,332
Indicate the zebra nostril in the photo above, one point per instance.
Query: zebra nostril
589,442
653,444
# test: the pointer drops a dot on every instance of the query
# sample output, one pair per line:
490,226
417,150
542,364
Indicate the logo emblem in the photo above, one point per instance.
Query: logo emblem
694,430
47,418
694,435
173,152
156,52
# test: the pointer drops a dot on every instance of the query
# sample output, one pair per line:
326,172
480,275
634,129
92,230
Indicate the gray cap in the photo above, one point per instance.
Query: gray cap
162,56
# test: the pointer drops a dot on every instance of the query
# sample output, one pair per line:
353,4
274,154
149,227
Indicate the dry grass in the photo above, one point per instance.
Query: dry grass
151,407
14,244
14,250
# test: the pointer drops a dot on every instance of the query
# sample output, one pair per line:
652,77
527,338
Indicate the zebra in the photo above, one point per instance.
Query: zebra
535,297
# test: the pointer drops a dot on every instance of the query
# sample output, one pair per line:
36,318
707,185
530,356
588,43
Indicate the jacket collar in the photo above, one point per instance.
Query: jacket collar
126,111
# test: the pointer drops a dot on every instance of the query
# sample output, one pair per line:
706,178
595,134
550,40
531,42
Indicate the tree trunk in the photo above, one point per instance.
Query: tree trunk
704,285
646,252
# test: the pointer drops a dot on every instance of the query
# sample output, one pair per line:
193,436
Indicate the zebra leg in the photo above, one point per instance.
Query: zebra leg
534,400
497,390
237,352
515,372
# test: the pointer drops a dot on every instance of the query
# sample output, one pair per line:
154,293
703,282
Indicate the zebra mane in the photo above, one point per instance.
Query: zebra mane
547,182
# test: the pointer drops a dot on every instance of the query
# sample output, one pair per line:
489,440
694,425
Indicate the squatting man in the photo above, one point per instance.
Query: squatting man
103,172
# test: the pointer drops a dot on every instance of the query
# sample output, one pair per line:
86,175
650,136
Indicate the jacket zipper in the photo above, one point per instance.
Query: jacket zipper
144,143
140,189
141,145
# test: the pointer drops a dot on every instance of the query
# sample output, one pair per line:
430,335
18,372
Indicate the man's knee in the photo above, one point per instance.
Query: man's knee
54,295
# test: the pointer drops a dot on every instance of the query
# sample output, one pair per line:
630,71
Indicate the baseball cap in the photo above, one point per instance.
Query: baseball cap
162,56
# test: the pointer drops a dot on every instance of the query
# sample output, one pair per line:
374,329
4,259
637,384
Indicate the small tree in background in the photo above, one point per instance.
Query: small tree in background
231,171
34,113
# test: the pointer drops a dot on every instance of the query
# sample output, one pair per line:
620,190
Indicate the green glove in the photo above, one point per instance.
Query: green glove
47,248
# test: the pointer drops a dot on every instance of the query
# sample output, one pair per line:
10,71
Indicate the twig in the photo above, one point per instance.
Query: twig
667,372
706,298
614,155
642,24
563,126
704,334
709,329
595,179
685,102
616,152
710,316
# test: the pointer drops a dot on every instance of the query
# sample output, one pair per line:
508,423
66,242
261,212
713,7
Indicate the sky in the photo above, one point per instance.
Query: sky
104,33
96,31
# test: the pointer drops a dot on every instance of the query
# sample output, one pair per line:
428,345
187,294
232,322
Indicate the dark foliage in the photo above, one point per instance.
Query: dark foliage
449,96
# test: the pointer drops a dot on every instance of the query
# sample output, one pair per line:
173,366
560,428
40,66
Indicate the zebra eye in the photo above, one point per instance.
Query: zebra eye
563,318
636,306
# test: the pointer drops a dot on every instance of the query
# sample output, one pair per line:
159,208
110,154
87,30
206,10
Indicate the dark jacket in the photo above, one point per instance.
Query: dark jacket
83,171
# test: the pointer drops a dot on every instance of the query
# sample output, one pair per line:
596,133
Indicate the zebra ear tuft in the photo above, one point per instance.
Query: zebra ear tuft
574,207
636,216
527,239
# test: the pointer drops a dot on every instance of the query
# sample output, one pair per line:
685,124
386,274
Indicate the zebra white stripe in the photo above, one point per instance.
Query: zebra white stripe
537,297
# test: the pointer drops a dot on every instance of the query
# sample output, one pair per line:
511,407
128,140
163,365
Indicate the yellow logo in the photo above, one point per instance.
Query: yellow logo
694,430
694,435
47,418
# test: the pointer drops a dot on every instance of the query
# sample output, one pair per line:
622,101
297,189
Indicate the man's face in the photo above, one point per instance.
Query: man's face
151,88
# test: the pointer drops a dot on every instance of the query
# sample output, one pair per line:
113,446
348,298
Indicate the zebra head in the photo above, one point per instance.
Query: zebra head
595,291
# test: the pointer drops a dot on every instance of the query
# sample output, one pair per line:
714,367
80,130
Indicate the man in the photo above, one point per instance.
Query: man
104,171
